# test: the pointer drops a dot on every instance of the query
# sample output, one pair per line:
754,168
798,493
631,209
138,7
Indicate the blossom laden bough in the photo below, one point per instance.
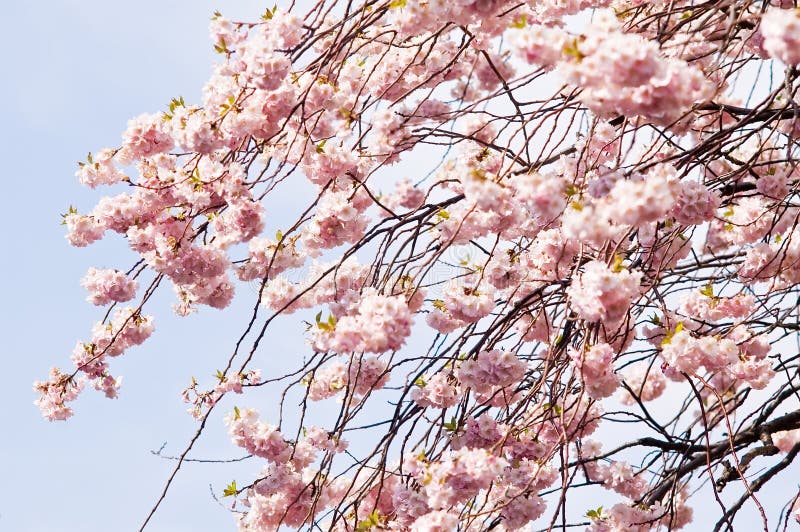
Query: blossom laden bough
526,225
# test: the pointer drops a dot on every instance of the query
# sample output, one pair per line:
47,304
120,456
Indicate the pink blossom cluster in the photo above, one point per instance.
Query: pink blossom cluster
646,385
647,200
105,286
457,476
284,494
781,31
287,497
491,371
257,438
126,328
55,393
337,220
145,137
203,400
378,324
602,294
704,305
466,302
482,432
595,366
361,376
621,73
739,355
269,258
438,391
694,203
101,169
634,518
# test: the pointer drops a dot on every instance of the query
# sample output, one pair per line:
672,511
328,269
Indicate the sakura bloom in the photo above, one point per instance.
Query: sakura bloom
550,254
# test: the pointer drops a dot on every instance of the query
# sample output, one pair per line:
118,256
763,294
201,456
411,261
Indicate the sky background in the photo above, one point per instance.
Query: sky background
75,72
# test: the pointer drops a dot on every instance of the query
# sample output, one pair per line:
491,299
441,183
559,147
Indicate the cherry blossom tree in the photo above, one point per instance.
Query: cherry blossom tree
583,210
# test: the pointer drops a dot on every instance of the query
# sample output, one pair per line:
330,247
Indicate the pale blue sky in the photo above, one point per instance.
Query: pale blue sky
74,73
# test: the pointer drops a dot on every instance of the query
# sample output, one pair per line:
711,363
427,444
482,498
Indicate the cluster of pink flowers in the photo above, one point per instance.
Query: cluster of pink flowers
126,328
491,371
362,375
481,432
145,137
695,203
55,393
646,385
621,73
337,220
781,31
596,369
602,294
105,286
257,438
437,391
269,258
202,400
457,476
739,355
647,200
467,303
438,521
703,305
377,324
100,169
285,493
634,518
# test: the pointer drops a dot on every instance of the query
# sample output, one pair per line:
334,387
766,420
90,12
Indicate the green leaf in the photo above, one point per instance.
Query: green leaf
708,290
230,490
220,376
221,47
175,103
72,210
321,146
617,266
452,425
520,22
668,338
420,382
374,519
572,50
397,4
326,325
236,413
595,514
